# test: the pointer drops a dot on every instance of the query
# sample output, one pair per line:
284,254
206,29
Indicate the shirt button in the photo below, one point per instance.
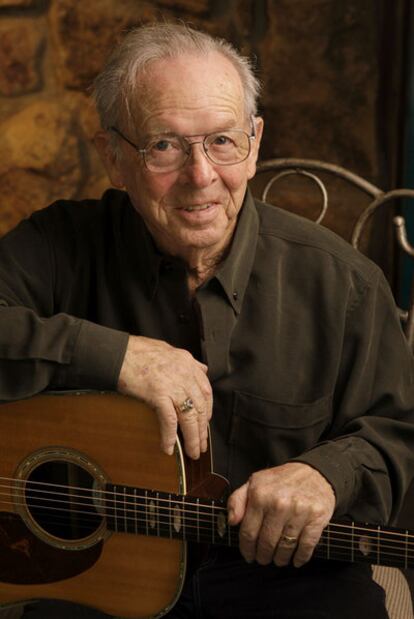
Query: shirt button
235,295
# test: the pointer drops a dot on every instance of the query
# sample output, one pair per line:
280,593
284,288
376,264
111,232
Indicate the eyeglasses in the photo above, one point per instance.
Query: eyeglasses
169,152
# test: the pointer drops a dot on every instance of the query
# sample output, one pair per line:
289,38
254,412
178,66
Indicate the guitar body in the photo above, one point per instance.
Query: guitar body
116,439
92,512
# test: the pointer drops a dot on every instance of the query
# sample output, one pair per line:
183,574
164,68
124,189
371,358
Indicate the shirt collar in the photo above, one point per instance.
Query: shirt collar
234,272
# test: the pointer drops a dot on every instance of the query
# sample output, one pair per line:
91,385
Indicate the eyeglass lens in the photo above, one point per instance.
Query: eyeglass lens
224,148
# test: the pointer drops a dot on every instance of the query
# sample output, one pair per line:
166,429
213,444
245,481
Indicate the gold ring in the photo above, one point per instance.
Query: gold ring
288,540
186,406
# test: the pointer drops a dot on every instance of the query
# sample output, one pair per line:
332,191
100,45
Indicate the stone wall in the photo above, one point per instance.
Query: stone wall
318,60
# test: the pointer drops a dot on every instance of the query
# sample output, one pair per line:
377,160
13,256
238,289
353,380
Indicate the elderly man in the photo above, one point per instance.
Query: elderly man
178,289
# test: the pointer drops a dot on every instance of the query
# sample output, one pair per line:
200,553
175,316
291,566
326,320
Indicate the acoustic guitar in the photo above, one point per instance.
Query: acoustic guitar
92,512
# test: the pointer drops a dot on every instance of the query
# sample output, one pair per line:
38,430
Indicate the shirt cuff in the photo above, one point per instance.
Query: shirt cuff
97,357
331,460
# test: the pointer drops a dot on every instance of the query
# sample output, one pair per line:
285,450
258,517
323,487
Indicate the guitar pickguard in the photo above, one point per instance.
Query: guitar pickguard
25,559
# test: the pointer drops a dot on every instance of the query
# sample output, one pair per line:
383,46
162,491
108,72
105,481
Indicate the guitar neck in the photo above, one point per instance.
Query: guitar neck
175,516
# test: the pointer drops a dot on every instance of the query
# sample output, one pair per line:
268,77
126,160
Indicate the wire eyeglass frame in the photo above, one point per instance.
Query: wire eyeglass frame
186,147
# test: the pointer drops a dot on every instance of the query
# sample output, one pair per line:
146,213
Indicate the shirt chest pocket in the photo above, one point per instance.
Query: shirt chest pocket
265,433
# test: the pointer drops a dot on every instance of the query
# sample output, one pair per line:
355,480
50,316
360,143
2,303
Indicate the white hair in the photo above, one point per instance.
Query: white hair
116,89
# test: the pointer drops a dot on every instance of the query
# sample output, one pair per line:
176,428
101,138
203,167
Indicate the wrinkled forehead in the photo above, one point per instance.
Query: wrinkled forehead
187,85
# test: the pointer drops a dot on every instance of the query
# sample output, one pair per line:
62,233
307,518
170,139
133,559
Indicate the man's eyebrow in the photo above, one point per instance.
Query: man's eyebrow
167,133
160,134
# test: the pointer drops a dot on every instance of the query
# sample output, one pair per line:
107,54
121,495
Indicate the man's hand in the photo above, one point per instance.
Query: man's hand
165,377
282,511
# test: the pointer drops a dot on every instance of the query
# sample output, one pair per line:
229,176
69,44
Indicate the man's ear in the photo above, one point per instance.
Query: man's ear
251,170
109,159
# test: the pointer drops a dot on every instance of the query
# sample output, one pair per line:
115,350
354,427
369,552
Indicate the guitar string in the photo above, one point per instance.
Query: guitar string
380,536
328,546
23,482
175,498
191,527
197,515
202,510
326,543
332,540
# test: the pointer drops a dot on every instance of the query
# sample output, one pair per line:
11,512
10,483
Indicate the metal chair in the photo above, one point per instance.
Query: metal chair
377,202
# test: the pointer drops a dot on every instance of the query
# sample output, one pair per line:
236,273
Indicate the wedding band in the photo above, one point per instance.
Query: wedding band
186,406
287,540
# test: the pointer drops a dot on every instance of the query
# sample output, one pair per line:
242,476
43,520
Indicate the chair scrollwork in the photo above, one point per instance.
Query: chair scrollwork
377,199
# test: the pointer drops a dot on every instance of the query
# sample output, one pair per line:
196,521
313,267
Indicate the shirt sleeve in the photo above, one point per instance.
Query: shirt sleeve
41,347
368,458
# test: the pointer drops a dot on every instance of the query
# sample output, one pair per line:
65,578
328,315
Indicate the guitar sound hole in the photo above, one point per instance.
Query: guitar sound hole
61,498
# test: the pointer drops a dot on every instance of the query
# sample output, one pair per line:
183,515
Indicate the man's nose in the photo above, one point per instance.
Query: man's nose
198,168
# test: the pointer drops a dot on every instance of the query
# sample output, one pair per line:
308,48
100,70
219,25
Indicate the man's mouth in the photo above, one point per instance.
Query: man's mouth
200,207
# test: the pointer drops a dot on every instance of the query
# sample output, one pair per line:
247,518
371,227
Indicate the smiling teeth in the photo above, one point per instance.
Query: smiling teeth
190,209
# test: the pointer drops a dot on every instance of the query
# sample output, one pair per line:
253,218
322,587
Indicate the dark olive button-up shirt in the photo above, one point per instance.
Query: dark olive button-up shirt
300,333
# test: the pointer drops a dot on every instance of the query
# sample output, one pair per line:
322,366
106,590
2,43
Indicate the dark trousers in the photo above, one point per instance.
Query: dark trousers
225,587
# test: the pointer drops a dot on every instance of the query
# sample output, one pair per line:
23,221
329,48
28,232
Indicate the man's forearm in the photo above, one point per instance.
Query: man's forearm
60,352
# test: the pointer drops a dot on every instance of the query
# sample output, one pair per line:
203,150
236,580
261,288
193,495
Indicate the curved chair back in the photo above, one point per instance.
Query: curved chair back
375,202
